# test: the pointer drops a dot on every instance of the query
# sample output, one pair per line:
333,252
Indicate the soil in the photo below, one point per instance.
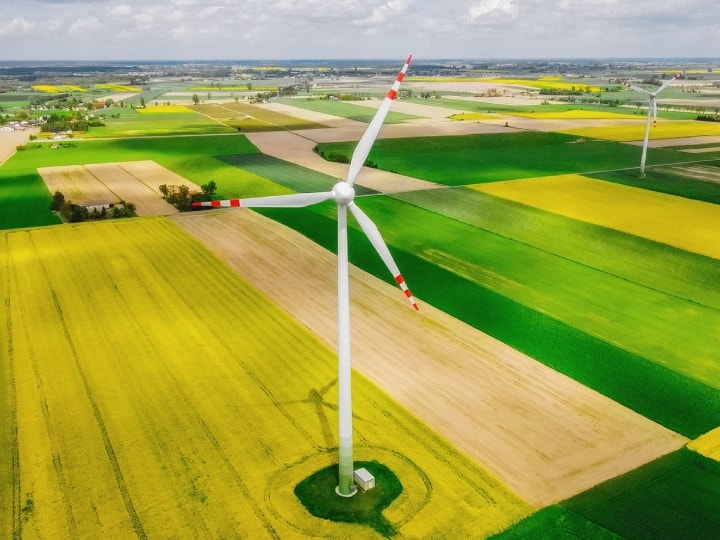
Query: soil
543,434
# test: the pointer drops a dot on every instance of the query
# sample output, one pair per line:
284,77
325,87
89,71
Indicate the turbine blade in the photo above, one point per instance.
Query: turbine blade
373,234
653,107
667,83
294,200
366,141
637,89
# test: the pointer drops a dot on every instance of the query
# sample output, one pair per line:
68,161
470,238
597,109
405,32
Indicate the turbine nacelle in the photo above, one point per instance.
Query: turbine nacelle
343,193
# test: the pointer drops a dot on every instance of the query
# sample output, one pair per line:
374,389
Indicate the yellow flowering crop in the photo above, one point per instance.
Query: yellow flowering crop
684,223
708,445
164,109
665,129
156,394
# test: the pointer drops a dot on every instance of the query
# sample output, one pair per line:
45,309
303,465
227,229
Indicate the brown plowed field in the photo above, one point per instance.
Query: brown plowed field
543,434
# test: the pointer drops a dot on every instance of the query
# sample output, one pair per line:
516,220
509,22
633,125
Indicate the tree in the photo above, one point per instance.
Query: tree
209,188
196,99
58,201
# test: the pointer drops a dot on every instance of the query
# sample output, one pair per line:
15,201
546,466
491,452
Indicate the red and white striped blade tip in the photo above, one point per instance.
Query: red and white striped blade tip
403,286
225,203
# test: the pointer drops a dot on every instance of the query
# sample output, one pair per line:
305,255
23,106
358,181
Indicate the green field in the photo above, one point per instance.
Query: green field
252,118
152,392
131,123
677,496
462,160
343,109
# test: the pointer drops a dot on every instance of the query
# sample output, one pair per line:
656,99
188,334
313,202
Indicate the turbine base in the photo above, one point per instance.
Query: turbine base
353,491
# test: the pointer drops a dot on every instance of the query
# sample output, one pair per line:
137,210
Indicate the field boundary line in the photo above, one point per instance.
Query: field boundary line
97,179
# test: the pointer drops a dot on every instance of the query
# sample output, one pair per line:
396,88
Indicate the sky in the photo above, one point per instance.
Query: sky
356,29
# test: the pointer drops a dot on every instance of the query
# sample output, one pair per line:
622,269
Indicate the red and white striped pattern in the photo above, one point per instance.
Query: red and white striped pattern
393,92
225,203
403,286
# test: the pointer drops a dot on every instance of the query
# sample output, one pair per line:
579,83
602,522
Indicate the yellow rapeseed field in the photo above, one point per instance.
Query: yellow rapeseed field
665,129
151,392
57,89
165,109
117,87
684,223
577,114
708,445
48,88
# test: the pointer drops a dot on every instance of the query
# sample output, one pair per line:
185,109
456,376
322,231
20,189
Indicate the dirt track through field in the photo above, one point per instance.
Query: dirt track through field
543,434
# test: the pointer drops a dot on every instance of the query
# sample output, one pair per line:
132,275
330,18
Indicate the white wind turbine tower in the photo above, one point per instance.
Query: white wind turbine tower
652,111
343,194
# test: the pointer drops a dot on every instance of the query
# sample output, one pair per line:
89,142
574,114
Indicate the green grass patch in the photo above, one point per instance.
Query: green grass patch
351,111
252,118
131,123
24,200
317,494
294,177
556,523
676,496
471,159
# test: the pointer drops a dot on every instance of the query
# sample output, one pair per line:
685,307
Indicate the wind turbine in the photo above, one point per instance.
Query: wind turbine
343,194
652,110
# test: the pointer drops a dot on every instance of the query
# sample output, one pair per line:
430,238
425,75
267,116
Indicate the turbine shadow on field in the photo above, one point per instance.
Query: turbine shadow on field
316,397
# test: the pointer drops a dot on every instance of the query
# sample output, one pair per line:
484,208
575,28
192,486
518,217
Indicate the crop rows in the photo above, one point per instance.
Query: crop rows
157,394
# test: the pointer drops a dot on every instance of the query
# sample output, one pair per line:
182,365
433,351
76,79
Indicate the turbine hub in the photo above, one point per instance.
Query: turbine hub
343,193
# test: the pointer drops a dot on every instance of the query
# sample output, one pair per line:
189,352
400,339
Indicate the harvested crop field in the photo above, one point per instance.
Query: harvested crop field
493,403
137,182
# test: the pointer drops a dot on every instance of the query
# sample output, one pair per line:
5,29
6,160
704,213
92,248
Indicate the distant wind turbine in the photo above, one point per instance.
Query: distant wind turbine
652,110
343,194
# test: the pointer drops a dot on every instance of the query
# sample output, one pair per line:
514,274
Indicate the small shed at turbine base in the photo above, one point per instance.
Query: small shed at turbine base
364,479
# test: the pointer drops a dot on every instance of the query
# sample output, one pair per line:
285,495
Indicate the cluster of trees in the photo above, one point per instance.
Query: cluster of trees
56,123
76,213
181,198
341,158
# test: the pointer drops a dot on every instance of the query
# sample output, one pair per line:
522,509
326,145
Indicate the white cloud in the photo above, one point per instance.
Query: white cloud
322,29
144,21
492,8
123,10
16,26
390,11
85,24
209,11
